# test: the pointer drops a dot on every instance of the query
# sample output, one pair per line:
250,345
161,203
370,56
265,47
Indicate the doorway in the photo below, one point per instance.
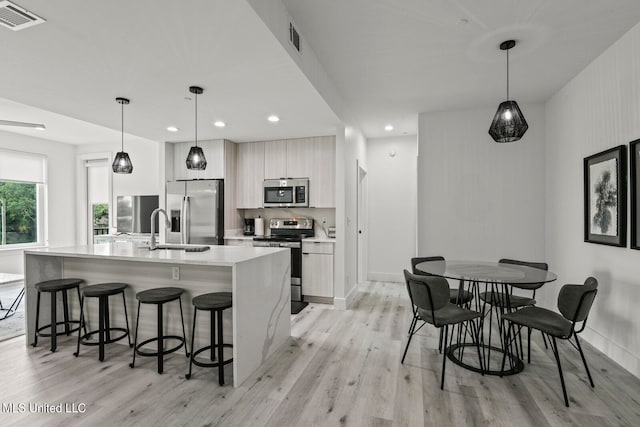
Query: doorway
361,226
95,197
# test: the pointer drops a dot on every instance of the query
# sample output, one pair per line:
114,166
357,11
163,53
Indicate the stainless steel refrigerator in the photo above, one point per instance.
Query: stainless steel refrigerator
196,212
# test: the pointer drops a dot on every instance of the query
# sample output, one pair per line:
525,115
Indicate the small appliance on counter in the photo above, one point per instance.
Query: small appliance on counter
331,232
249,226
259,226
288,233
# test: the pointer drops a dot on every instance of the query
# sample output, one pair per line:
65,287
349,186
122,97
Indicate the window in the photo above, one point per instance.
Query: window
21,199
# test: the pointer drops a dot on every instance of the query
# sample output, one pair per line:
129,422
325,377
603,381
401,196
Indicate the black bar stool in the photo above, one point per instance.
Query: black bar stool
52,287
103,291
215,303
159,296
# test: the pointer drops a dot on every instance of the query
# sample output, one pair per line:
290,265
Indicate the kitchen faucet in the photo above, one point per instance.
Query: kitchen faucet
152,242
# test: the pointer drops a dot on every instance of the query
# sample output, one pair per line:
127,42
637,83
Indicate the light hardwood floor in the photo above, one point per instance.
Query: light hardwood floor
340,368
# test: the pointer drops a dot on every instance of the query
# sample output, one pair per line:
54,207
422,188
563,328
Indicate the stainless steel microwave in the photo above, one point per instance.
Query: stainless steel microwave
286,193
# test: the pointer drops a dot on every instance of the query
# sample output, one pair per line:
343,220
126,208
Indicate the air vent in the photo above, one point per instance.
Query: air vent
294,37
17,18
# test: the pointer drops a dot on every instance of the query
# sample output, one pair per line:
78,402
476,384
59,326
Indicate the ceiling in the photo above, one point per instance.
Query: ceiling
91,51
389,60
392,59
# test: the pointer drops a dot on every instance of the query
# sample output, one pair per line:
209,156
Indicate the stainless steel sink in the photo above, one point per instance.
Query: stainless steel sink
188,248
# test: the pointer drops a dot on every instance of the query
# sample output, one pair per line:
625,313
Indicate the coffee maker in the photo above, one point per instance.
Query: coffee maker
249,226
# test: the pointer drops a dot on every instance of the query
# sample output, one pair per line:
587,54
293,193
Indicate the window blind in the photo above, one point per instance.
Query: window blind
23,167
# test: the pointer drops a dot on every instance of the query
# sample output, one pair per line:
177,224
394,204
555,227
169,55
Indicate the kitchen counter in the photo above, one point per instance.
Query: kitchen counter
259,279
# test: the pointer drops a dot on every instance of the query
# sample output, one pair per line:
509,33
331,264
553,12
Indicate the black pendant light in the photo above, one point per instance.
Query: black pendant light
508,124
122,162
196,159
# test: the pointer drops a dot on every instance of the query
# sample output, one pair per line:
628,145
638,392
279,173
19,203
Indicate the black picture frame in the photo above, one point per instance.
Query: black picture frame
634,156
603,224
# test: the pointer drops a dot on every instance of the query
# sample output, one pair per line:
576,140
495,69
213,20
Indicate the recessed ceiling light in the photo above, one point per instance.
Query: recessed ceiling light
273,118
388,128
172,129
219,124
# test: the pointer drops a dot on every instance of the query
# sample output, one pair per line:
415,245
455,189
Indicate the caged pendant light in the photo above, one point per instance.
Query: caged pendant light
508,124
122,162
196,159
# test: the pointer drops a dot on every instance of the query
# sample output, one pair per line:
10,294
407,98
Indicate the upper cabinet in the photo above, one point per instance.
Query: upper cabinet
313,158
250,174
213,151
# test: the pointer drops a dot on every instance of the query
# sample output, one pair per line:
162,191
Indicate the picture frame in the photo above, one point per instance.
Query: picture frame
605,197
634,156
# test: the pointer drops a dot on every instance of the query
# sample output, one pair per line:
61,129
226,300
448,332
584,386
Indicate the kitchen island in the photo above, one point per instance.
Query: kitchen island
259,279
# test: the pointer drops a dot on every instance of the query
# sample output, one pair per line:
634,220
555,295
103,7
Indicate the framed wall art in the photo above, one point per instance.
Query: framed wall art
634,155
605,197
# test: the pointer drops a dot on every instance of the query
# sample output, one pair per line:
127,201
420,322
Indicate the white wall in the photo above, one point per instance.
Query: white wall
392,206
61,213
478,199
597,110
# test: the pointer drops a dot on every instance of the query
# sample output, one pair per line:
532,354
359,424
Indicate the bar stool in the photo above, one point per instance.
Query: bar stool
215,303
53,287
159,296
103,291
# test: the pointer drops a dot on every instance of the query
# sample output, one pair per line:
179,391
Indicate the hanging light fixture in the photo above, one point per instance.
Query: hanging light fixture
196,159
508,124
122,162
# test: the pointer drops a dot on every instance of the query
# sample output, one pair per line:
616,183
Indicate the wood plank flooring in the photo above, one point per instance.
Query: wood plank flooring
340,368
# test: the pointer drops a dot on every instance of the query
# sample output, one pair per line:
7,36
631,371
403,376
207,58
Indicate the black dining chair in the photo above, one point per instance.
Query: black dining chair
455,297
514,302
574,304
430,303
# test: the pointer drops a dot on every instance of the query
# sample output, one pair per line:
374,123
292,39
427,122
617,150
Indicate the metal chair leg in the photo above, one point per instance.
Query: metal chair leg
411,330
444,356
126,319
35,334
79,327
135,341
554,347
184,333
584,361
193,338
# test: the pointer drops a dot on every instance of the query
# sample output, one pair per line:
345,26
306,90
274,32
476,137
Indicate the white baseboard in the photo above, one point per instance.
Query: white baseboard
385,277
344,303
614,351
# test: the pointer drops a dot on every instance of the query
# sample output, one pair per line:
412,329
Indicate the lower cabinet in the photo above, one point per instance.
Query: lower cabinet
317,269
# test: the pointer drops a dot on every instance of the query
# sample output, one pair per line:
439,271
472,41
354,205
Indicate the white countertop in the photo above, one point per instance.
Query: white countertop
130,251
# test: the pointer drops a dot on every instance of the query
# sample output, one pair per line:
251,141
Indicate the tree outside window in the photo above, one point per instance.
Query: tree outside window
19,202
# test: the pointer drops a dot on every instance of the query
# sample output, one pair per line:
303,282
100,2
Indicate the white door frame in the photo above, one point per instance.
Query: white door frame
361,223
83,196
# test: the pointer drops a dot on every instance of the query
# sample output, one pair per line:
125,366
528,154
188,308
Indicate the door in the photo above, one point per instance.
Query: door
175,198
204,213
98,174
361,207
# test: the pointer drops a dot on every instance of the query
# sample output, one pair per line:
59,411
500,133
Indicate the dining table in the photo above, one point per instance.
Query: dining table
490,277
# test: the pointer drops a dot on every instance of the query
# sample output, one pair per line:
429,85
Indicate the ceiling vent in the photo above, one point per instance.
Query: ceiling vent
17,18
294,37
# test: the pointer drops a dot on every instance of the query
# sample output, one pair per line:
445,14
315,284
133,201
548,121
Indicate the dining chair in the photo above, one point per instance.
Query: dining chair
514,302
574,304
430,303
455,297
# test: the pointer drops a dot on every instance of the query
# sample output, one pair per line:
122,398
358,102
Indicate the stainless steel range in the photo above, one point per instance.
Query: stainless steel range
288,233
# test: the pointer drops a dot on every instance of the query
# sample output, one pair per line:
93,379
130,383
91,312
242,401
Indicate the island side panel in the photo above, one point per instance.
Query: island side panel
38,268
141,275
261,311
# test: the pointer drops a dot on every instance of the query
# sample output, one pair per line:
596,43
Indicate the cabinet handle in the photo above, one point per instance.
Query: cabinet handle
305,253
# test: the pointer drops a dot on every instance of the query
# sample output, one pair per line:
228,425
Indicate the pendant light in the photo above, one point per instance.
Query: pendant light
122,162
508,124
196,159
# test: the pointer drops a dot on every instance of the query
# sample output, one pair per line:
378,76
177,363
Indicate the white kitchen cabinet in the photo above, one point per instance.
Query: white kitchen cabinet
322,177
213,151
300,160
250,174
275,160
317,269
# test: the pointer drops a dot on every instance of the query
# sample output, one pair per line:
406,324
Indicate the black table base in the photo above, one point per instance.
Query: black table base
455,353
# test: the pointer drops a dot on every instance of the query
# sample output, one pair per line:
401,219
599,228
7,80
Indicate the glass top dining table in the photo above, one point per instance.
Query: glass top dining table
487,272
494,277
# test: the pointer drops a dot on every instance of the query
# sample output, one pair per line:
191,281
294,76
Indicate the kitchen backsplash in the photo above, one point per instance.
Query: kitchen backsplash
316,213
